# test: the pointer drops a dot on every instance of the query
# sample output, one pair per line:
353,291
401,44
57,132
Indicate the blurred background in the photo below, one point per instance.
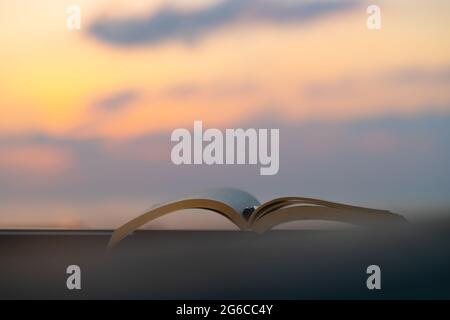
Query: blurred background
86,115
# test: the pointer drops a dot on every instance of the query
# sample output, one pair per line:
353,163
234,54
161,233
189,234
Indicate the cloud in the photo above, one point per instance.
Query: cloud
35,161
400,76
182,91
404,90
211,89
423,75
116,101
172,24
398,160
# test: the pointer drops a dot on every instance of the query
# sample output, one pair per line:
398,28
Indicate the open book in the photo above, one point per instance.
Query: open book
246,212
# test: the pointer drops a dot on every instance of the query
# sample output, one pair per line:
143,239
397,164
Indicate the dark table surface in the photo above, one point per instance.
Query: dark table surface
284,264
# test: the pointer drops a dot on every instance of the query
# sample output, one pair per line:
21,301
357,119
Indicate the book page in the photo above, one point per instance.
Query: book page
238,199
228,202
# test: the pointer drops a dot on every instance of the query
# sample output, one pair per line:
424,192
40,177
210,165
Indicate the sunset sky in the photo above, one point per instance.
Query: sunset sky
86,115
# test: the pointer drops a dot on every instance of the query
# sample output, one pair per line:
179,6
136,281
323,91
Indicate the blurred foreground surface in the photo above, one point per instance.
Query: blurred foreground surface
414,261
